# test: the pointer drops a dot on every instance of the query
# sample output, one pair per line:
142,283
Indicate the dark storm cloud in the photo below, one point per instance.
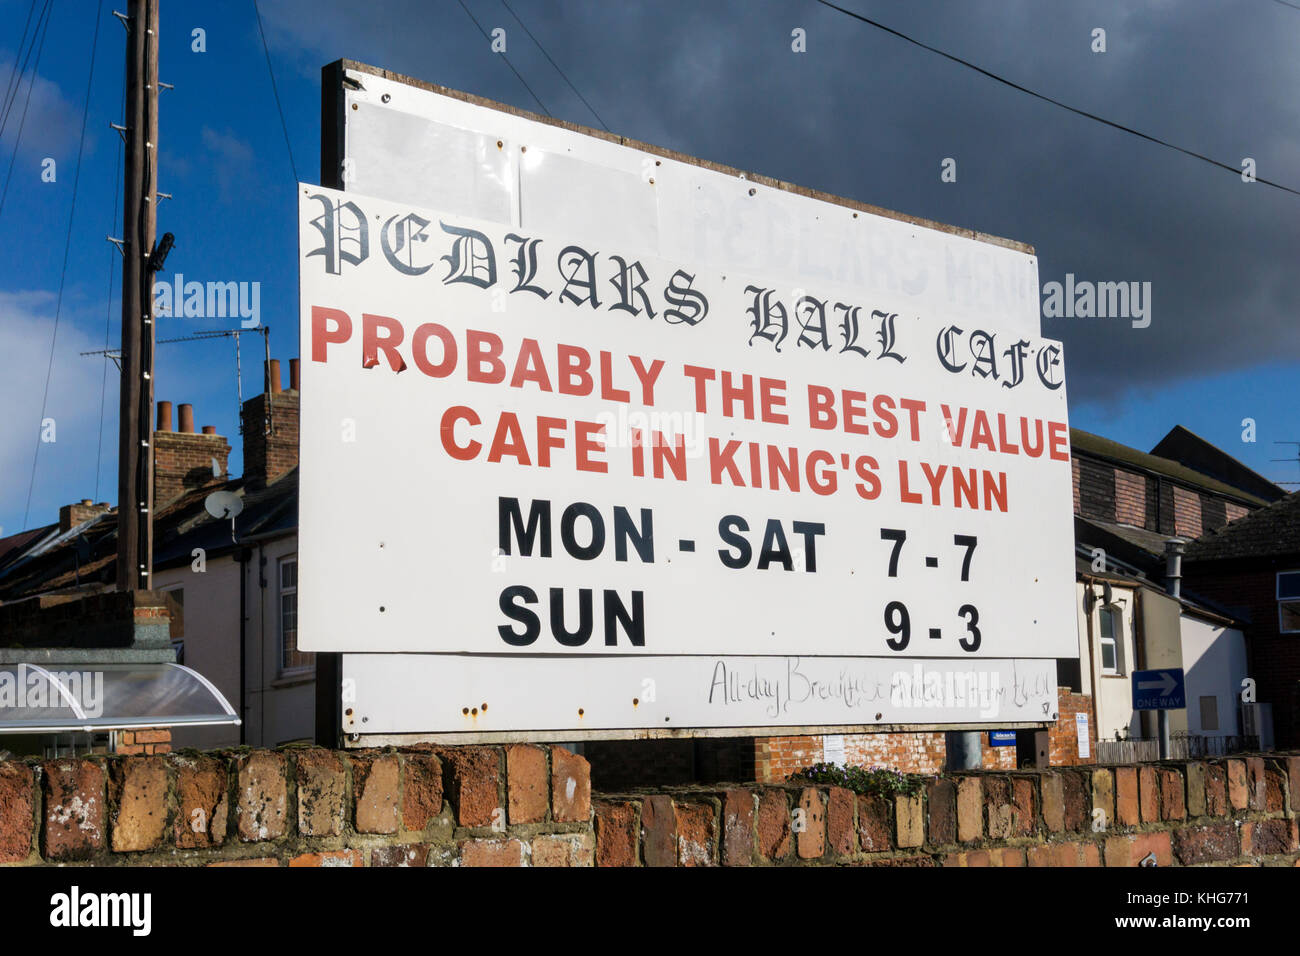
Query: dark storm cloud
865,115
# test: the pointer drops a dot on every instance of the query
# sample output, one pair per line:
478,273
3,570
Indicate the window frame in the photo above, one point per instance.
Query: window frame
1116,640
281,592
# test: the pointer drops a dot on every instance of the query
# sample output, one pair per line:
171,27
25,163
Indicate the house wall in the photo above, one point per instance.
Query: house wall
1214,658
1249,590
1112,696
280,708
211,638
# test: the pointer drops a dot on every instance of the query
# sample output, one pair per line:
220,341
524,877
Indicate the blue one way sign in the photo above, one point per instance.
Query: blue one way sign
1159,689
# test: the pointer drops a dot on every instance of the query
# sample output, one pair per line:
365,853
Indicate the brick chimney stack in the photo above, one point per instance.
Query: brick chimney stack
182,460
72,515
271,428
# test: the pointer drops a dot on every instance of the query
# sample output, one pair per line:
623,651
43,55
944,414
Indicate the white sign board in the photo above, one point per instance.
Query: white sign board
580,423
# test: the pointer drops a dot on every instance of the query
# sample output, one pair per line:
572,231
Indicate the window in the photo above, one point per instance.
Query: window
1288,602
291,659
1209,713
1111,631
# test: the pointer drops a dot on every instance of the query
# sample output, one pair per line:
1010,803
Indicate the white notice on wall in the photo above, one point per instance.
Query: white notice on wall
833,749
1081,728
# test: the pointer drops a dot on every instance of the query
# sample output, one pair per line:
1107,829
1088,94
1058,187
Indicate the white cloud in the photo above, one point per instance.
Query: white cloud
66,466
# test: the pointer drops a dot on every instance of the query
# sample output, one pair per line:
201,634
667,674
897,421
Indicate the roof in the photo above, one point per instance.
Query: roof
1269,532
1188,448
1098,447
85,558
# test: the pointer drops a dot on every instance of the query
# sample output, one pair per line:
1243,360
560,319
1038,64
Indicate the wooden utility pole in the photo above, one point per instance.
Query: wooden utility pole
135,434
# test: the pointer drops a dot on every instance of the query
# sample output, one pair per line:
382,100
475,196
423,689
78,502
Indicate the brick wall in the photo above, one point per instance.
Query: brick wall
1250,591
529,805
153,740
1187,513
1130,498
1063,736
268,457
472,806
182,461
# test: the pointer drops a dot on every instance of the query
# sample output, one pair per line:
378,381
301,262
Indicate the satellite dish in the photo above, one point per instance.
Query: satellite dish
223,504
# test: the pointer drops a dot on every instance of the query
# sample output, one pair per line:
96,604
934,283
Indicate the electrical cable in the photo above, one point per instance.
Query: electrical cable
556,65
67,248
1235,170
276,93
503,56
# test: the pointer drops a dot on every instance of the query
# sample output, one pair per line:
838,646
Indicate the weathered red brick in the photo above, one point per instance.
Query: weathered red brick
1127,808
1238,787
1216,790
997,804
74,809
562,850
421,790
1267,837
527,793
263,796
1022,799
376,787
873,823
841,834
329,858
695,833
491,853
137,790
1077,800
570,787
810,840
1149,794
910,824
322,792
471,776
1172,803
17,823
1053,790
737,828
773,825
970,809
1207,844
659,831
1146,844
400,855
1256,780
616,831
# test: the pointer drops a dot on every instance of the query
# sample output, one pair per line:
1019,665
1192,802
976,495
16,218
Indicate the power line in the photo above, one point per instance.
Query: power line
67,248
556,65
276,93
22,123
1286,4
1235,170
16,73
503,56
13,70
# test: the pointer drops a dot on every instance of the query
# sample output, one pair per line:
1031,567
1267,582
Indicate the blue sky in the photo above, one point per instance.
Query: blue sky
861,114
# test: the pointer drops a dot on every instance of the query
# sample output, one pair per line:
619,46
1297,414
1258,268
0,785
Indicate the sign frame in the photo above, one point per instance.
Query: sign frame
345,74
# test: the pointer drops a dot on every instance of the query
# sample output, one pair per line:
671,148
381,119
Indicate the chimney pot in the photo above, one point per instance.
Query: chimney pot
164,416
187,419
87,502
295,374
273,376
209,429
